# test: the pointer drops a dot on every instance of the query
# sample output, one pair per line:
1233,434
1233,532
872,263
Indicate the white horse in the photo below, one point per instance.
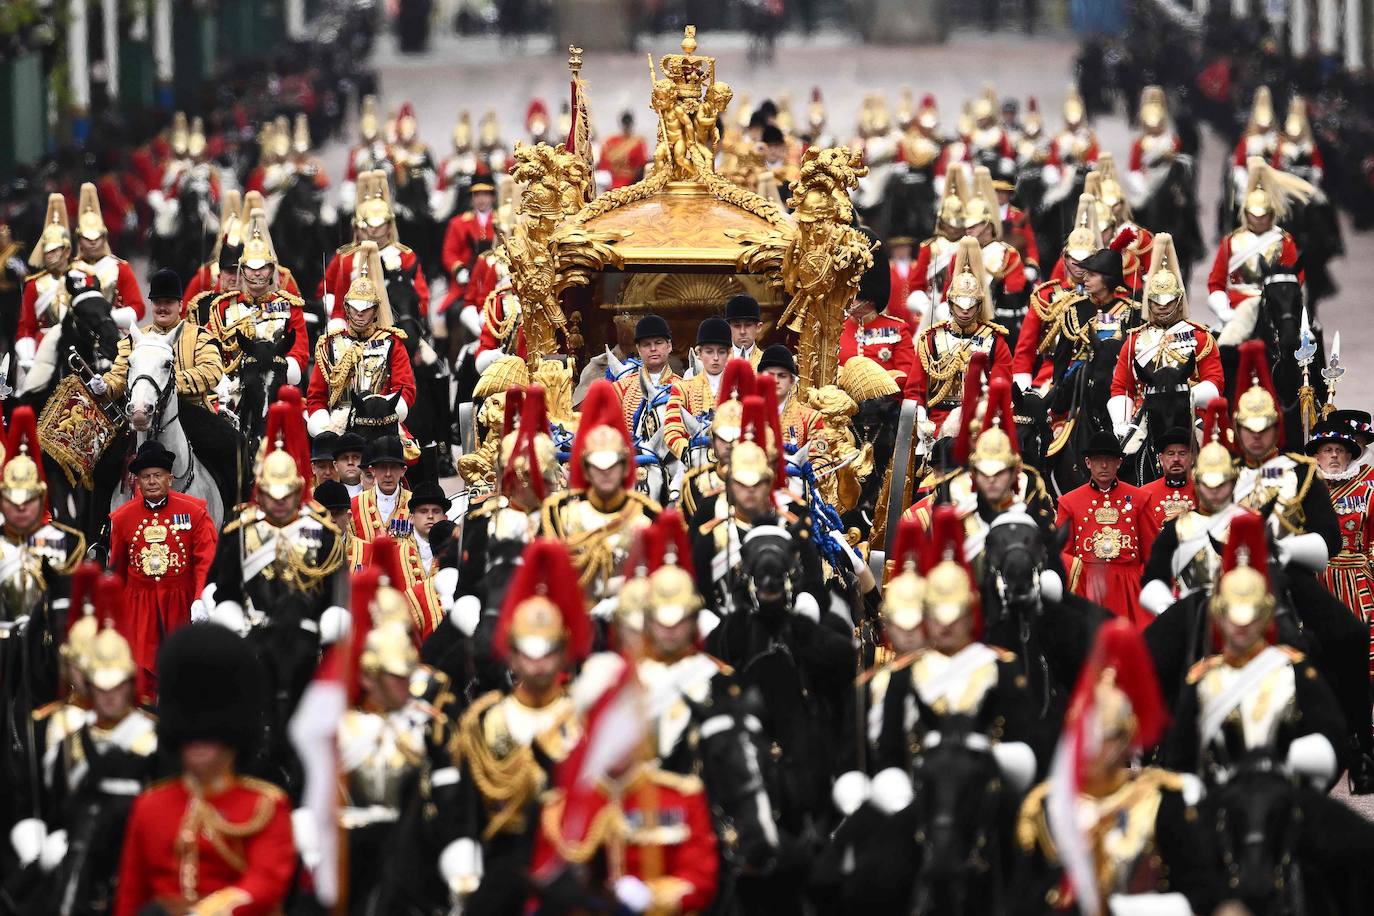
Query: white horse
153,411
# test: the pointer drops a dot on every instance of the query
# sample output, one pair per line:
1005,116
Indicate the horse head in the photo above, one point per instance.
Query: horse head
1256,823
374,416
262,368
958,789
89,326
1015,553
1033,432
1281,304
150,385
732,745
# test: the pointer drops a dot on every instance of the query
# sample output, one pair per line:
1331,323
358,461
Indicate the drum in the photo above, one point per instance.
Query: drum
75,431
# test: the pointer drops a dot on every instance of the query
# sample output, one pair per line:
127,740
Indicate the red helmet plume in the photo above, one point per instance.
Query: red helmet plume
600,408
82,591
1123,240
736,381
907,545
667,543
968,405
22,435
1216,424
515,402
534,420
1119,653
999,411
760,426
546,571
766,388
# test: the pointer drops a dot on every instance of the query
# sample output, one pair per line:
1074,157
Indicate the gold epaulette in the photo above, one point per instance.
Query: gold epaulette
262,787
401,247
296,301
1030,822
1294,655
1200,669
996,327
644,501
394,332
1003,655
685,784
344,251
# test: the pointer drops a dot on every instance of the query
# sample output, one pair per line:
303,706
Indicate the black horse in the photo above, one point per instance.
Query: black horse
1167,405
1081,393
1033,431
430,419
1050,635
1171,206
193,233
1279,325
309,240
963,811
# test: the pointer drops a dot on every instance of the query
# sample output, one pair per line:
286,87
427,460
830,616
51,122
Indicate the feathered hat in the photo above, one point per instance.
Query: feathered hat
56,232
1165,281
368,289
527,453
1086,236
904,594
1261,112
110,661
968,280
1154,107
1268,190
22,479
951,208
285,466
736,381
90,223
672,594
1214,465
996,448
258,250
981,206
968,406
602,438
543,608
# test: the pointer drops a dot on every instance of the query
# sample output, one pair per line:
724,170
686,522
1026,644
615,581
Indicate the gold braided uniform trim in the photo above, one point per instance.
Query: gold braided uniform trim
203,819
501,327
1032,824
223,902
591,554
508,783
946,371
608,823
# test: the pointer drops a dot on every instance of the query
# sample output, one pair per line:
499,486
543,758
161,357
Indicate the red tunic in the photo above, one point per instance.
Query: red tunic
206,278
936,342
1234,283
660,818
1017,230
1164,502
368,523
1137,161
1111,534
462,240
1027,360
1184,339
624,157
903,277
1350,574
164,556
339,275
399,376
884,339
242,861
300,347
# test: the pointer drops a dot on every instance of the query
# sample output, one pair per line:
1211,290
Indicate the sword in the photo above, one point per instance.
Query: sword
5,388
1307,396
1332,373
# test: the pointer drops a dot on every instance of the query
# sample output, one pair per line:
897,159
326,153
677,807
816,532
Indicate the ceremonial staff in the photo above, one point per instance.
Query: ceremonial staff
1332,373
1307,396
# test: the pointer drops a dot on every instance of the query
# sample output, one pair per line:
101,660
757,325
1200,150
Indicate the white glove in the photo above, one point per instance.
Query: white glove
445,584
605,608
633,894
890,791
24,349
918,303
293,371
856,562
1220,304
27,838
706,622
231,614
338,420
805,606
466,614
1119,409
460,864
1156,597
486,358
461,278
318,422
1051,586
1149,904
306,834
335,622
199,612
1203,393
125,317
1308,551
850,791
335,324
1023,381
470,318
1314,757
98,386
1017,762
402,409
1031,274
165,217
54,850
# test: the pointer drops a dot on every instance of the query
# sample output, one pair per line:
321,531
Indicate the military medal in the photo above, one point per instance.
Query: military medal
885,354
1106,515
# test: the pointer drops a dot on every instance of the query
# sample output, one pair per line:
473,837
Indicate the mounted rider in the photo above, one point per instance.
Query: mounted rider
93,255
220,274
1297,152
365,358
374,220
944,349
797,421
872,331
1259,139
600,514
1235,284
651,397
197,367
1001,261
1032,366
45,301
708,479
1154,150
930,276
1102,314
1136,255
1167,339
260,308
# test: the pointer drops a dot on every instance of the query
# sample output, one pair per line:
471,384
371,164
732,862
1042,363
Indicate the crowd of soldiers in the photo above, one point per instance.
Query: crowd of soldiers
1031,611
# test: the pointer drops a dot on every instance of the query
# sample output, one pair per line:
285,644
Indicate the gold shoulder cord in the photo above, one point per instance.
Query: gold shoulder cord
338,375
500,327
507,783
943,371
609,823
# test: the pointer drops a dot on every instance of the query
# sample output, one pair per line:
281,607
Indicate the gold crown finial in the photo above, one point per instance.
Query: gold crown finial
574,59
689,39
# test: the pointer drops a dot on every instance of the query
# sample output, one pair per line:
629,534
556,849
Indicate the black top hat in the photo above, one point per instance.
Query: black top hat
165,284
1176,435
652,326
876,284
1359,421
152,454
714,330
429,494
777,356
322,446
1103,444
384,450
1106,262
743,308
229,256
1329,431
332,495
349,442
209,689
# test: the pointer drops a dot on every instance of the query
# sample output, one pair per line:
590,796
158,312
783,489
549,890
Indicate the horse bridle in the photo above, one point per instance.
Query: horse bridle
159,422
1024,623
